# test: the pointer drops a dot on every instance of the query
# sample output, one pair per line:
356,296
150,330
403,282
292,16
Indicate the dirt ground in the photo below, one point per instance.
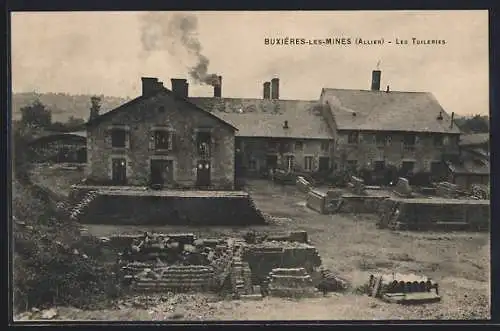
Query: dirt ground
350,245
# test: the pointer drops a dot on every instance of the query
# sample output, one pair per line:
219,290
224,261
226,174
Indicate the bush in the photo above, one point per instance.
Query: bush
52,262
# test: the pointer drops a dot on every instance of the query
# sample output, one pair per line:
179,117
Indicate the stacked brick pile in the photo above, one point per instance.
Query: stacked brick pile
175,278
264,257
84,203
358,185
241,277
402,288
303,185
403,188
481,192
291,282
447,190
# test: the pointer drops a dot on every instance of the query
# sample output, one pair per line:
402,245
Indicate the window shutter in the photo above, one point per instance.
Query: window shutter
127,140
173,141
107,137
152,140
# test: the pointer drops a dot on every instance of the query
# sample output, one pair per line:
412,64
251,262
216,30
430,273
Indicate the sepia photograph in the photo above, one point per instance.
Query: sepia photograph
181,166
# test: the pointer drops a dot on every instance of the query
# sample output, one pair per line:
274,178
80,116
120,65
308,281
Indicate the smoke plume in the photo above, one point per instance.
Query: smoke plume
169,32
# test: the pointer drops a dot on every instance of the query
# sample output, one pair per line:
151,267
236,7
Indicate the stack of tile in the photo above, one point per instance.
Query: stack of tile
177,278
291,282
80,207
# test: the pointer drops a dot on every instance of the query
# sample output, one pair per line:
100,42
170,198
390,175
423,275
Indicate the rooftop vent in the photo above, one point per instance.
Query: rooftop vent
440,116
285,125
387,89
353,114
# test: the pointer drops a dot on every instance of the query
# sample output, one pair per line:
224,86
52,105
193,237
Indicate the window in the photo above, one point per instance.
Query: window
290,162
308,163
252,164
353,138
438,141
163,140
352,164
369,138
118,138
203,143
299,145
378,165
325,146
272,145
407,167
409,140
381,139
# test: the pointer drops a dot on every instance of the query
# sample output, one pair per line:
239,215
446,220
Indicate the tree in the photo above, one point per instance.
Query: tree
475,124
95,107
75,123
36,115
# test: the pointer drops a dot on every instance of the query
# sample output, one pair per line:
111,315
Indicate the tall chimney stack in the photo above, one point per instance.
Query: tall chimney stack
275,88
180,87
218,87
267,90
149,86
376,75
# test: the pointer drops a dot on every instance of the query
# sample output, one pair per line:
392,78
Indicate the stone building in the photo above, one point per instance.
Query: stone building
275,133
473,165
161,138
375,129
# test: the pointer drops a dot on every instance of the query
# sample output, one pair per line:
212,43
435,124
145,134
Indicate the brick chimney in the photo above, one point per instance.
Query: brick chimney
267,90
180,87
218,88
376,75
149,86
275,88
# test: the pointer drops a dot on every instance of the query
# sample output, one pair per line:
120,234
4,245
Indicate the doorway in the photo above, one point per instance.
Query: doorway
203,173
271,161
162,172
324,164
119,171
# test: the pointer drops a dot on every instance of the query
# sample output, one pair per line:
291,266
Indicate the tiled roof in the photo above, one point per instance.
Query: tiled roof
141,98
266,117
470,166
474,139
387,111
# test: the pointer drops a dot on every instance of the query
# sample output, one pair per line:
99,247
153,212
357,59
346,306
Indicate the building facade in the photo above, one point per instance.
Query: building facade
376,129
274,133
160,138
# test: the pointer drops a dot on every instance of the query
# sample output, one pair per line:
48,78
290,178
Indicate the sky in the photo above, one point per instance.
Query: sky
108,52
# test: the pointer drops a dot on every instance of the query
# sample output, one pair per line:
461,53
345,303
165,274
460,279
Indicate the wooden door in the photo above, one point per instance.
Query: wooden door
161,172
119,171
203,173
272,162
324,164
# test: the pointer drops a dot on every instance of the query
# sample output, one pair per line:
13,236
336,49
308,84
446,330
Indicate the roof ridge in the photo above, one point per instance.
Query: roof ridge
374,91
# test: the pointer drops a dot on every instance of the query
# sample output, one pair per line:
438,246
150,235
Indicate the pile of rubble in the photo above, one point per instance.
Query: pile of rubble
176,262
